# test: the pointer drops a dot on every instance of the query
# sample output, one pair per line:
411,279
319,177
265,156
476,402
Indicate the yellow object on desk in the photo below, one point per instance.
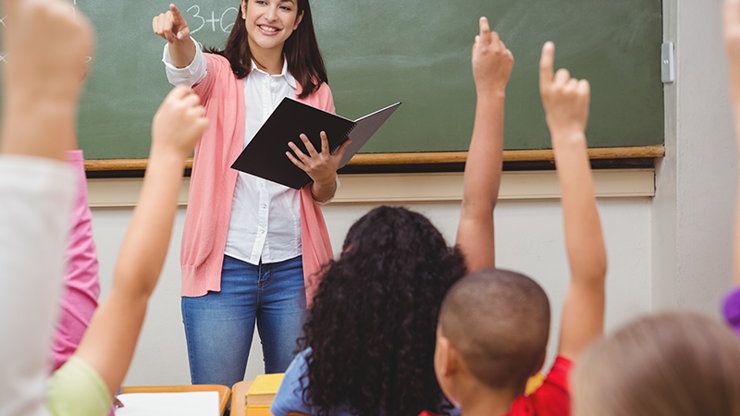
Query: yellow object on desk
263,390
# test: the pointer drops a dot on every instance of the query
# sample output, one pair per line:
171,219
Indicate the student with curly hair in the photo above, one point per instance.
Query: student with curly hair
369,339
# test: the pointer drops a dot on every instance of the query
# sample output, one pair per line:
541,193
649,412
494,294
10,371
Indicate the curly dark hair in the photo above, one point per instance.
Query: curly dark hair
373,324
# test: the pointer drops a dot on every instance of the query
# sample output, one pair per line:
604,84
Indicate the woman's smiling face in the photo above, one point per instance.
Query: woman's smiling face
270,22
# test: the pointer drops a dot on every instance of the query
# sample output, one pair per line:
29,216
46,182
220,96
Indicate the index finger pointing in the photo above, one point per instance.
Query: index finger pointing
546,60
176,12
485,30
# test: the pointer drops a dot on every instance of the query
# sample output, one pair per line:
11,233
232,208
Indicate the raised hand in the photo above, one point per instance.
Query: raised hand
492,61
565,99
171,26
179,122
47,48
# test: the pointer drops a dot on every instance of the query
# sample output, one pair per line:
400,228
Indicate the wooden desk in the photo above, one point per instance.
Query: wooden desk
238,404
224,393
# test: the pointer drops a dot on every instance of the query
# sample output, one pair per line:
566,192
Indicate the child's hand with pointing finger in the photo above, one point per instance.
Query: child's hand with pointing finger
565,99
492,61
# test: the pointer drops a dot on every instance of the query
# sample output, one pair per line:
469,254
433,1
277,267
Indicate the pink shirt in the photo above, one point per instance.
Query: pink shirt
81,283
213,181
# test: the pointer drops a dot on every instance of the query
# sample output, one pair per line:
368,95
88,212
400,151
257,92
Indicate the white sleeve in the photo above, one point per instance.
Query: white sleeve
37,195
191,74
331,198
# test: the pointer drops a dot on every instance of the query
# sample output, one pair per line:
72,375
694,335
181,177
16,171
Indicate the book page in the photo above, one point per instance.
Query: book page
364,129
197,403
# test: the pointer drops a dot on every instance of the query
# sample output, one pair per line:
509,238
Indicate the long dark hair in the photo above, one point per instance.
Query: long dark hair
301,51
373,324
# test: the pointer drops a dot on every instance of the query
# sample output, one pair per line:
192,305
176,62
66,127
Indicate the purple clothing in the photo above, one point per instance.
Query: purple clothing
81,284
732,309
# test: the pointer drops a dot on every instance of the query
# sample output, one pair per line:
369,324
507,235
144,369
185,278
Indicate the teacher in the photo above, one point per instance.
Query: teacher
251,248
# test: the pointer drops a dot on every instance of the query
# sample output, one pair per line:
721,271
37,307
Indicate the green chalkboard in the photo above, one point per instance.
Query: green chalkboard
414,51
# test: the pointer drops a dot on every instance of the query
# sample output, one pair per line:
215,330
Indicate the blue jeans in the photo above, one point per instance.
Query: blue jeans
219,326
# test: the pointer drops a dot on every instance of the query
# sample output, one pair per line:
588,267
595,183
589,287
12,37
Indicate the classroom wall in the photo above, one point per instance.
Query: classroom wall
529,236
669,251
695,183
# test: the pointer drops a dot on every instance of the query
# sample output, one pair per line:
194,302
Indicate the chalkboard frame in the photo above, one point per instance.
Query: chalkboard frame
417,158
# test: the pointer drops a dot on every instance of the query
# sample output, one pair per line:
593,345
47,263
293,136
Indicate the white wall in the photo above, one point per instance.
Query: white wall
695,185
529,237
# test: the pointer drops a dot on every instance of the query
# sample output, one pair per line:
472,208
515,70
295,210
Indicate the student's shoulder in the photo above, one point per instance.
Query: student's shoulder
290,397
560,372
76,389
550,399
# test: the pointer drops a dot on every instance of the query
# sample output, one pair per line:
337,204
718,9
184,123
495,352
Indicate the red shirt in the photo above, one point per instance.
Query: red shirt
551,399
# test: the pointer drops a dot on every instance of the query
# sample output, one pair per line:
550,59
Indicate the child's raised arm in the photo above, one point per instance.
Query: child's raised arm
731,25
108,346
42,88
492,63
45,48
566,103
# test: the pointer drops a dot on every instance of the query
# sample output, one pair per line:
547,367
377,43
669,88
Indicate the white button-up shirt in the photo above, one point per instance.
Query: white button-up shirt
265,219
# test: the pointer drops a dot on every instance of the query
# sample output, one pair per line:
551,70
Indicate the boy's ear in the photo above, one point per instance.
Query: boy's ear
446,366
446,357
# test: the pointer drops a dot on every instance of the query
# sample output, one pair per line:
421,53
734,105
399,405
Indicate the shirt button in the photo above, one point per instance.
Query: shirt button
263,206
262,230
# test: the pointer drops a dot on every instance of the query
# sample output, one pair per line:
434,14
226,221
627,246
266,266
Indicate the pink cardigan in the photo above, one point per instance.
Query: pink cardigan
213,181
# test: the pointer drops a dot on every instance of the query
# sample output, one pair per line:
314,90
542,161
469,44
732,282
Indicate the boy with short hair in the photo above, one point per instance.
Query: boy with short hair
494,324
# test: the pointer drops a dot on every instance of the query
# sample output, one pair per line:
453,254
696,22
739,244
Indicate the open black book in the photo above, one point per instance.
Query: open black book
265,155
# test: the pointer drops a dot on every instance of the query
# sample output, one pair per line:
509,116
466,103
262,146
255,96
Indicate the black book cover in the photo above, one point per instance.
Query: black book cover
265,155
